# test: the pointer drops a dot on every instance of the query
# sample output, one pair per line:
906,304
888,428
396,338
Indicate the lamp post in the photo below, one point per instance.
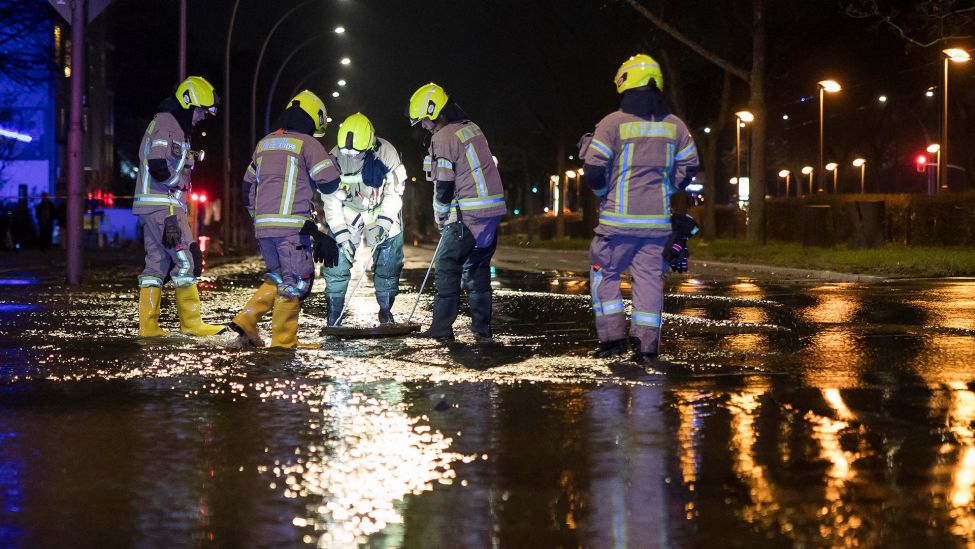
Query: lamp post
257,69
955,55
825,86
569,174
554,192
785,174
935,148
579,174
862,164
808,170
833,167
228,212
741,118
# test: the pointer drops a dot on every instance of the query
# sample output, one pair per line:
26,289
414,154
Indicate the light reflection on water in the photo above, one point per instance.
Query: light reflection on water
817,415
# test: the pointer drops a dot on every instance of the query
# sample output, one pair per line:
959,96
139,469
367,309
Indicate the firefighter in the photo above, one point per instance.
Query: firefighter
637,157
166,161
370,202
468,202
287,167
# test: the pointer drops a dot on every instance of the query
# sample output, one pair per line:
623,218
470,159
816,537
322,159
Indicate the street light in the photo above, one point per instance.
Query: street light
935,148
832,167
785,175
808,170
825,86
741,118
341,82
257,68
345,61
862,164
339,30
955,55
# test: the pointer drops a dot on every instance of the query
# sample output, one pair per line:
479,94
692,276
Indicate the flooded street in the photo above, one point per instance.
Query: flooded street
785,413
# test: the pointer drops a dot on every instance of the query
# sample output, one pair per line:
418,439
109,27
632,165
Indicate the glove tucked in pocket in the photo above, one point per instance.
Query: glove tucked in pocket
172,235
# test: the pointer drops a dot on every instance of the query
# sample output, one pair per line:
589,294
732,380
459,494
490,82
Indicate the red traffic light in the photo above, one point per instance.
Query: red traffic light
921,162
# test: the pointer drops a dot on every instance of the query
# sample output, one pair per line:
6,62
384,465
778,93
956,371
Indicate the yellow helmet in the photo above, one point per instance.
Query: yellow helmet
313,107
427,102
195,91
638,71
356,133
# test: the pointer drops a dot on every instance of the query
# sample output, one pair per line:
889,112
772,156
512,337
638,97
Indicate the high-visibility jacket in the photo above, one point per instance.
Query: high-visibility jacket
285,171
358,206
459,153
164,139
646,161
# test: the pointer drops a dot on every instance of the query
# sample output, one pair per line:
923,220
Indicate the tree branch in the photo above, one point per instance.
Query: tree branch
721,62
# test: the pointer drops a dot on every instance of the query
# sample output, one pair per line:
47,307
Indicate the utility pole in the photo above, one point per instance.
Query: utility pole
182,40
75,166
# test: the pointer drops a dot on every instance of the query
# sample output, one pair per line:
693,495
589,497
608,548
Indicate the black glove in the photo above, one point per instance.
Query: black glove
172,235
373,171
326,251
197,259
675,251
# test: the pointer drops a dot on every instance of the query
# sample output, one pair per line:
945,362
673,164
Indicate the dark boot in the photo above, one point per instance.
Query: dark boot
335,306
607,349
444,314
385,308
642,357
480,304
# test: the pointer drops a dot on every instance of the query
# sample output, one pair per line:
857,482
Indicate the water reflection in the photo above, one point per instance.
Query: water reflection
364,455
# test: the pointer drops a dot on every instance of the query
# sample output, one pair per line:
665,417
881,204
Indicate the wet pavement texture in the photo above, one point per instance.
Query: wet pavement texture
783,414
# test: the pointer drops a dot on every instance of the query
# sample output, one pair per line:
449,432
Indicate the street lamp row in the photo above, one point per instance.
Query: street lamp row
830,167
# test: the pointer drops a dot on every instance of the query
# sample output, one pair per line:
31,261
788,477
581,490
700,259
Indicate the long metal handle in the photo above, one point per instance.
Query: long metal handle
345,302
425,277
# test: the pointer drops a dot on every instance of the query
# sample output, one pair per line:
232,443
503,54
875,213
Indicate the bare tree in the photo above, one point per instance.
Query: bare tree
25,63
923,24
754,77
24,54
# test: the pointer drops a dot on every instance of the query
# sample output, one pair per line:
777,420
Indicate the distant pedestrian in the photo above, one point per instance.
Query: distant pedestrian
46,215
62,209
6,242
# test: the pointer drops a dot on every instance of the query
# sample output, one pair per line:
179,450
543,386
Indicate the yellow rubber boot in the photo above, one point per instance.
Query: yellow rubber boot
259,304
149,312
188,307
284,322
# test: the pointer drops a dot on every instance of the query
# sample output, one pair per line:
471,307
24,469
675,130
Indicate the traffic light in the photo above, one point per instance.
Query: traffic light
921,163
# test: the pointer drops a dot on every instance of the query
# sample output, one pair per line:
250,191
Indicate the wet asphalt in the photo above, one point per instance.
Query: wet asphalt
784,413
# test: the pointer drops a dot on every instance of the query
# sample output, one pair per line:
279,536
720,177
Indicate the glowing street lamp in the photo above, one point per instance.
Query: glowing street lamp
935,148
339,30
955,55
785,174
741,118
862,164
808,170
832,167
345,61
825,86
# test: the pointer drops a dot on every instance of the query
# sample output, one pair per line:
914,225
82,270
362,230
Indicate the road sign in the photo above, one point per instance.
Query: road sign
94,8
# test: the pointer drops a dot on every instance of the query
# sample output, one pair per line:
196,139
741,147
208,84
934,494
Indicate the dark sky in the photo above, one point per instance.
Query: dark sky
530,73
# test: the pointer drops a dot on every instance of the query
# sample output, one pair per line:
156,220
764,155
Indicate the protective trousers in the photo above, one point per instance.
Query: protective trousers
387,266
289,263
462,262
609,257
178,261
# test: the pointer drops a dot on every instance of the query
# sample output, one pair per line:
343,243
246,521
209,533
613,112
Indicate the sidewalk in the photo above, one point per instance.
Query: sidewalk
516,258
48,268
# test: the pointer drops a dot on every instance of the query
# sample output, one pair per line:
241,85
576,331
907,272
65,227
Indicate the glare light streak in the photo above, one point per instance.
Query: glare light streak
10,134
